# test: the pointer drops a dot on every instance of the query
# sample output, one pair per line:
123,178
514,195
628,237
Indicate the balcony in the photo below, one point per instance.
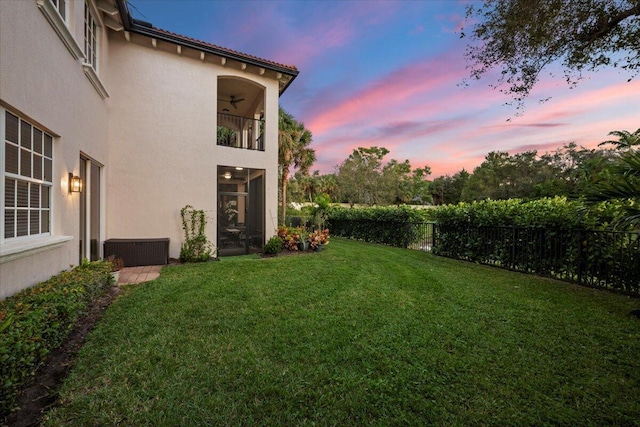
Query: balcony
240,132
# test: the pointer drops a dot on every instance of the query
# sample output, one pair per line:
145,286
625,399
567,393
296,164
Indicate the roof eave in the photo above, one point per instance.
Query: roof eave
132,26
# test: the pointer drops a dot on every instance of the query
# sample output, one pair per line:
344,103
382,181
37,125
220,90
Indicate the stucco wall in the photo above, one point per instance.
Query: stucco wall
162,149
40,80
155,136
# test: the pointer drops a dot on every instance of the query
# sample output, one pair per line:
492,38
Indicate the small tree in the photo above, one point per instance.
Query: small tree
321,212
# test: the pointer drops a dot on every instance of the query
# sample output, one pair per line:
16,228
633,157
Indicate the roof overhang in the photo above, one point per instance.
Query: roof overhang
286,74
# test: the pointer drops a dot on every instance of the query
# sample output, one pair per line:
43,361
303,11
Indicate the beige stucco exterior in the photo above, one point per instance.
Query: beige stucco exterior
43,83
152,130
163,151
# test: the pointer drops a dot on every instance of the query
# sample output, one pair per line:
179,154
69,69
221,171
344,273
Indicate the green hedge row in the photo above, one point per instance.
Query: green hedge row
386,225
557,212
38,319
555,237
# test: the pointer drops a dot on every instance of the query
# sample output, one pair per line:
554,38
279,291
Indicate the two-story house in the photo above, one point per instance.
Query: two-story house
110,126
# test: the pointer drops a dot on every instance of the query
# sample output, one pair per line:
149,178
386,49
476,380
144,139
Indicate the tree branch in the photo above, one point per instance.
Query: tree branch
605,27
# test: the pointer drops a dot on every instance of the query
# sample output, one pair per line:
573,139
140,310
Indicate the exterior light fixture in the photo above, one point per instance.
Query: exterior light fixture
75,183
227,175
238,168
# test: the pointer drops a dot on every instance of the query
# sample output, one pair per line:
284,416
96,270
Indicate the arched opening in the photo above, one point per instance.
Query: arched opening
240,113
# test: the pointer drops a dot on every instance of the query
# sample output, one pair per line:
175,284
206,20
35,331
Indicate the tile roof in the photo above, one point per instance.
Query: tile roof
230,52
147,29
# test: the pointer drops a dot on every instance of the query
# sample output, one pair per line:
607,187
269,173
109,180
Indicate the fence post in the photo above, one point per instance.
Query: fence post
580,256
514,235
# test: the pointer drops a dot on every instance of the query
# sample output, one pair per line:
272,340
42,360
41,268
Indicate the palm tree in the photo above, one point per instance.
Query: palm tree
327,184
626,140
625,180
293,150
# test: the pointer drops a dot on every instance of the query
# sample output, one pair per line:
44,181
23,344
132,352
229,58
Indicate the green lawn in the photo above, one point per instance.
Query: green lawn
357,335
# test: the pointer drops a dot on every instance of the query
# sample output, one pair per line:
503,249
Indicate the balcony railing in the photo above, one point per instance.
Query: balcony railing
240,132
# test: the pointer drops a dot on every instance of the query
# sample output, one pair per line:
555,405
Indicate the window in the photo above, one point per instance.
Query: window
27,170
56,13
61,7
92,31
90,37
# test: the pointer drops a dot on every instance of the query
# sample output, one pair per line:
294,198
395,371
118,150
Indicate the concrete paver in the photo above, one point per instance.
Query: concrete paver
132,275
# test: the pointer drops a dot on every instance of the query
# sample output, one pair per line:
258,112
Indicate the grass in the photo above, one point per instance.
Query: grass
356,335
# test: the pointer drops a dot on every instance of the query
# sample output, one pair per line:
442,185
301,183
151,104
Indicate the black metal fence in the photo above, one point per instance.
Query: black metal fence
599,259
392,233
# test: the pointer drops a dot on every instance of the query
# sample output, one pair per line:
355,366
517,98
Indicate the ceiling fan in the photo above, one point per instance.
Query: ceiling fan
232,100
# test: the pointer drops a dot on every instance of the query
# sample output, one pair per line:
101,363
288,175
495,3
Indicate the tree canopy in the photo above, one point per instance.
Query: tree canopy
523,37
623,184
364,178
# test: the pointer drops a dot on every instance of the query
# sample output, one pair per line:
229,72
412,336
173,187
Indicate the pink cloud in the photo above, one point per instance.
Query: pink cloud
388,93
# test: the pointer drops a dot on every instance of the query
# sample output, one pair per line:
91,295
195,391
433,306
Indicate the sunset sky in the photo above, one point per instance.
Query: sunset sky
390,74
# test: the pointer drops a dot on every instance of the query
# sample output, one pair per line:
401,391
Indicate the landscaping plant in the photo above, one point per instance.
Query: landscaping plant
387,225
318,238
273,246
37,320
196,246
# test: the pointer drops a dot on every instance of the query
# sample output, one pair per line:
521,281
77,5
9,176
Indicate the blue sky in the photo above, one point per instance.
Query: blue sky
389,73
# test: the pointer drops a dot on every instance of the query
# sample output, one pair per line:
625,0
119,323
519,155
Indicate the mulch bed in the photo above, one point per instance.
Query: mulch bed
41,393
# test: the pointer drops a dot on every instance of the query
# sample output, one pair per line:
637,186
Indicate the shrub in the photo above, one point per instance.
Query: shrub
292,237
38,319
273,246
554,237
557,212
318,238
386,225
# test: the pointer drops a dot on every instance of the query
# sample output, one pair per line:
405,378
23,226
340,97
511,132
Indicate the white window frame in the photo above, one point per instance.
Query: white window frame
62,8
61,26
31,181
23,246
92,34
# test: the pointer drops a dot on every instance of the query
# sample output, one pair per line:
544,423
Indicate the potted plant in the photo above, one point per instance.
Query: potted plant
293,238
303,244
318,239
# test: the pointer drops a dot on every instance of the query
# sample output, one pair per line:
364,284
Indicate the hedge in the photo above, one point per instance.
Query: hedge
37,320
555,237
557,212
386,225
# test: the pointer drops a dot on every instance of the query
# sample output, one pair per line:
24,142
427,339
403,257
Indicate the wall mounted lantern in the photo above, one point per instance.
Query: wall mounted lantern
75,184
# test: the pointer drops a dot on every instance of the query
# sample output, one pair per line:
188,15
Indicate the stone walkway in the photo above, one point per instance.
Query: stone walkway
131,275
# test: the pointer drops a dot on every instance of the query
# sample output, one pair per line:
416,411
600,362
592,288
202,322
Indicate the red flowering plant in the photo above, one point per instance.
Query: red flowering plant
318,238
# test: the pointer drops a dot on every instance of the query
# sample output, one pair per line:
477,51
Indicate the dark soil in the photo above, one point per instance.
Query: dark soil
42,392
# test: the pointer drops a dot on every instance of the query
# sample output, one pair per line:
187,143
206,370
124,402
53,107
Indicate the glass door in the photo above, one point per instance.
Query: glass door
240,210
232,227
90,210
